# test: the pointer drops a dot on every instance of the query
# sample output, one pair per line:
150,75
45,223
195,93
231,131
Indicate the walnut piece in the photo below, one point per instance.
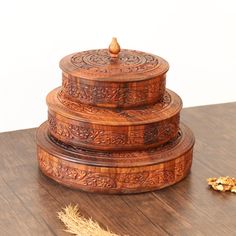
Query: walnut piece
223,184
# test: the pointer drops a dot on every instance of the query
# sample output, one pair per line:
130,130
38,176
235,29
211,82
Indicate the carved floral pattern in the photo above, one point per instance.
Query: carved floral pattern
130,113
95,94
99,62
106,179
158,133
133,155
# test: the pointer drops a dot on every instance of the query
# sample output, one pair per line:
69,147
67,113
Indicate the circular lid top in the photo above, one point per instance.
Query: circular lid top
114,64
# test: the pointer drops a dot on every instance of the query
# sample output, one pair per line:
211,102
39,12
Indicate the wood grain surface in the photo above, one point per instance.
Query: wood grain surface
29,201
92,127
132,79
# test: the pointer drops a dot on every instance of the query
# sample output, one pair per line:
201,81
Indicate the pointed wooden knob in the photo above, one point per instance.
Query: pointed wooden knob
114,48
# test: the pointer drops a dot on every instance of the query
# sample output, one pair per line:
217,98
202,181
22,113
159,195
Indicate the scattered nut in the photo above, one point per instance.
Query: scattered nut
223,184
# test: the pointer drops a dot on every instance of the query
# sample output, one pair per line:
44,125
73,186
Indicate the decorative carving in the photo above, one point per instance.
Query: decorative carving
133,178
168,129
128,113
99,181
59,170
132,155
59,128
152,134
159,175
102,93
79,107
99,62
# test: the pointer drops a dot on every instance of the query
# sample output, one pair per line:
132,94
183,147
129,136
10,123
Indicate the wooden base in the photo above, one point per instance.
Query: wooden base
115,172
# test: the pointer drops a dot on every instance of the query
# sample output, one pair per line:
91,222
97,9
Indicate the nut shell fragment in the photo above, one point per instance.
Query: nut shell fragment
233,189
223,184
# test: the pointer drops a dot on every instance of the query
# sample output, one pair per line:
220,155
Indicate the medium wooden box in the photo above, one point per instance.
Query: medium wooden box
112,126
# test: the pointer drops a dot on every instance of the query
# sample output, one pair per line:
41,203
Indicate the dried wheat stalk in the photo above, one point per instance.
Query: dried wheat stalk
80,226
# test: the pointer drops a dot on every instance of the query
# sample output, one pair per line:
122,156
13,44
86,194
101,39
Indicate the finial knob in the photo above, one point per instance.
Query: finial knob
114,48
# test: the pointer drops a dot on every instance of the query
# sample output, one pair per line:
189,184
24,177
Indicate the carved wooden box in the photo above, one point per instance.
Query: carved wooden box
112,126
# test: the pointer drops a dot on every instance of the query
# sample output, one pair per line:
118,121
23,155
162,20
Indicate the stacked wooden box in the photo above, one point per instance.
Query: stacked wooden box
113,127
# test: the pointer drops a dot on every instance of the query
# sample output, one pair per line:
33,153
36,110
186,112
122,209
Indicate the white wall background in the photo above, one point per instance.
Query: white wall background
197,37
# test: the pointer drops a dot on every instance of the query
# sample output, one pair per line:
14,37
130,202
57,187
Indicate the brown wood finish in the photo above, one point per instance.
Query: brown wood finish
132,79
105,129
114,101
114,48
29,200
116,172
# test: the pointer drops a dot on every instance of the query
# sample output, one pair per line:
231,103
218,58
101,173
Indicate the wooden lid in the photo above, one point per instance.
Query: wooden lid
114,64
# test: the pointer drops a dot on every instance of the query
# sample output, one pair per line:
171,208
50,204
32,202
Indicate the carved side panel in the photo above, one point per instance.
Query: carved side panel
128,156
92,112
114,94
115,180
113,137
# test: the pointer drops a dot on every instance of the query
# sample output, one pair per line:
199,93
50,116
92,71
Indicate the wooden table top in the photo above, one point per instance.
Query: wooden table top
29,201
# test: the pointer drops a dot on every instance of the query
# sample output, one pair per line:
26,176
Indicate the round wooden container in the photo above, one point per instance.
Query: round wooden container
108,129
112,126
131,79
115,172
